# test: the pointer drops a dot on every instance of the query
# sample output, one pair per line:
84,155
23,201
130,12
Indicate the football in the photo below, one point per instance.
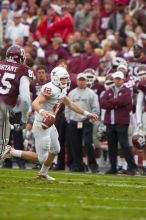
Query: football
48,121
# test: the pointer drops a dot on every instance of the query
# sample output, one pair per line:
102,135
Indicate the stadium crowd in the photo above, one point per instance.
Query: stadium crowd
102,45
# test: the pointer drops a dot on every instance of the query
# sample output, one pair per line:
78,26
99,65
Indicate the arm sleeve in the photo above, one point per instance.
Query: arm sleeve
24,94
139,104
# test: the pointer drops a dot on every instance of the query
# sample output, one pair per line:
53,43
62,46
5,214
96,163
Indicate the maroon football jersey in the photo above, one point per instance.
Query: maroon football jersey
35,87
134,64
141,85
130,82
10,75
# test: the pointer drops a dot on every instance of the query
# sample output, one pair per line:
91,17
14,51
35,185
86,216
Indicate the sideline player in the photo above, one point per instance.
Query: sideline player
14,80
46,141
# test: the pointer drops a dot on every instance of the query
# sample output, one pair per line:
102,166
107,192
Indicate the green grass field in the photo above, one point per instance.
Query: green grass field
74,196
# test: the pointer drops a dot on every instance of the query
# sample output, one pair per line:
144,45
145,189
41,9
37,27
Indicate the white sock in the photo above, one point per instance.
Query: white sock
123,163
16,153
119,162
44,170
144,163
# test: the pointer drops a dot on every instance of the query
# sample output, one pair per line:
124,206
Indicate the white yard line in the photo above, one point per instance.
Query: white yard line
106,207
75,196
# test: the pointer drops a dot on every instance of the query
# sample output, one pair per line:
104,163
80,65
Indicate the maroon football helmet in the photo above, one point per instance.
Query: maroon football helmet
139,139
108,81
15,54
101,134
91,76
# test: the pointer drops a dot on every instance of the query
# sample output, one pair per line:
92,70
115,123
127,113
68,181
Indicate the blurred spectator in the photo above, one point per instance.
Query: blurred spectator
17,29
95,19
89,59
64,26
105,12
83,17
6,5
72,7
128,49
74,59
140,16
56,53
18,5
116,20
128,26
52,16
40,53
40,15
5,23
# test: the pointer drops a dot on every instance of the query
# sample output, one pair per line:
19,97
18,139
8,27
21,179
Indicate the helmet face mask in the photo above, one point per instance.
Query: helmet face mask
108,83
60,77
15,54
91,77
142,74
102,135
118,60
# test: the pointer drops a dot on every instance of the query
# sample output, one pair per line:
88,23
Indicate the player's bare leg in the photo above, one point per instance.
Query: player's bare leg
27,155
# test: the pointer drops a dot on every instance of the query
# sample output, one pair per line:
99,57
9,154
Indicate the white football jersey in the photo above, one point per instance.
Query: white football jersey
56,97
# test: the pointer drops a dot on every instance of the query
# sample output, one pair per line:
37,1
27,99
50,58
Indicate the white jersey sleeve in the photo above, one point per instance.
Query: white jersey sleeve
24,94
139,104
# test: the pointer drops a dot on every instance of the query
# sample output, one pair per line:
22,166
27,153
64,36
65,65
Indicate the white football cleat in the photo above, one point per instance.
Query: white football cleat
45,176
6,153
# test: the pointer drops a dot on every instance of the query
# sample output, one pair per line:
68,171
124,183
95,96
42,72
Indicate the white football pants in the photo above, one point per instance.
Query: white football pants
46,140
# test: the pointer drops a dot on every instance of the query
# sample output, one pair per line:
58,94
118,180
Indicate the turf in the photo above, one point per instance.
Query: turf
74,196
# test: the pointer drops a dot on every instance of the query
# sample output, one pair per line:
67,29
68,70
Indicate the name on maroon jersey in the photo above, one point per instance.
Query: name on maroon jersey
8,68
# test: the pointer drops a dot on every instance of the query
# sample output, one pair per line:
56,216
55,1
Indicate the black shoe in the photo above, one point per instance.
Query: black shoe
143,172
120,170
131,172
111,171
76,168
7,163
94,168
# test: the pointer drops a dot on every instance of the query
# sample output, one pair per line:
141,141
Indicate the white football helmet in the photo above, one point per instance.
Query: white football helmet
59,73
91,77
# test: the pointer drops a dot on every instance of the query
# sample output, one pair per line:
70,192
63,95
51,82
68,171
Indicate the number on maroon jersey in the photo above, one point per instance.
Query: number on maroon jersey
5,83
31,74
